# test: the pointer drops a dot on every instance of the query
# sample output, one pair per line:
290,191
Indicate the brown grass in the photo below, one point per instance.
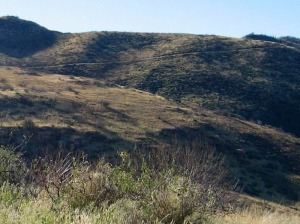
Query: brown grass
260,216
85,104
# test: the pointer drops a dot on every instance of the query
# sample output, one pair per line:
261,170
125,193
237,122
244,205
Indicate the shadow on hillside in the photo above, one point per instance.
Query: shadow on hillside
50,140
93,143
72,113
20,38
108,44
273,103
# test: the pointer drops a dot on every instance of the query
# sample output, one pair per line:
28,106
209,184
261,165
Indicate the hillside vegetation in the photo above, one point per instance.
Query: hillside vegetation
256,77
102,92
22,38
60,111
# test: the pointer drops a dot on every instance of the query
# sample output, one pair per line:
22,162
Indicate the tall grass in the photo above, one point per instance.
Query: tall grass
185,183
254,215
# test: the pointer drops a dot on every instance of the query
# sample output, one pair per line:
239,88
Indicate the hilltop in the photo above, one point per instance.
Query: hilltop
20,38
104,91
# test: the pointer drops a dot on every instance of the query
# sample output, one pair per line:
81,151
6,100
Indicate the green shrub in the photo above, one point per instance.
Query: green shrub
91,186
182,183
28,124
12,166
10,193
165,185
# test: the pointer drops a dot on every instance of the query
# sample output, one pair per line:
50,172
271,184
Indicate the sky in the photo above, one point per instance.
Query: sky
234,18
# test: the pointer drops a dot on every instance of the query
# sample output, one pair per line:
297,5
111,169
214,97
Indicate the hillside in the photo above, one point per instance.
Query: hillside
252,78
105,91
21,38
61,111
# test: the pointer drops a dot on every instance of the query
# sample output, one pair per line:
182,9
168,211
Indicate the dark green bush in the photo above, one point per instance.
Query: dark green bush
12,166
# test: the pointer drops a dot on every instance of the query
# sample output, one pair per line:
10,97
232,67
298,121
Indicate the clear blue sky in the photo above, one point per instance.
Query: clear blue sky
234,18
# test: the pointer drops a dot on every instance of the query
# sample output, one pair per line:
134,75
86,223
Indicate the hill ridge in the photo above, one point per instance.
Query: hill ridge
21,38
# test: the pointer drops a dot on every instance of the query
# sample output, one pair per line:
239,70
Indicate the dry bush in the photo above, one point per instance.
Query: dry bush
177,183
190,178
53,173
91,186
197,160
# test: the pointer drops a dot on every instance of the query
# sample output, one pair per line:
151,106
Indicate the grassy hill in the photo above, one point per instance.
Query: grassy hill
256,77
106,91
21,38
76,113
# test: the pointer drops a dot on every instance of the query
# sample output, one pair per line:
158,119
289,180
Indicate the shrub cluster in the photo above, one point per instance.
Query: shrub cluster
12,166
180,184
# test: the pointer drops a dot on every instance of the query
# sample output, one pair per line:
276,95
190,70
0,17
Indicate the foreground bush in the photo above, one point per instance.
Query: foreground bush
185,183
12,166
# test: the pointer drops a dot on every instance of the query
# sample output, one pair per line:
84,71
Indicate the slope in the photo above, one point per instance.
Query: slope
256,78
21,38
59,111
80,91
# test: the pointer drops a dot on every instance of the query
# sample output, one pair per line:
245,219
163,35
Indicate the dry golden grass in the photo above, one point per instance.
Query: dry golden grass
91,105
129,112
233,75
260,216
88,105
